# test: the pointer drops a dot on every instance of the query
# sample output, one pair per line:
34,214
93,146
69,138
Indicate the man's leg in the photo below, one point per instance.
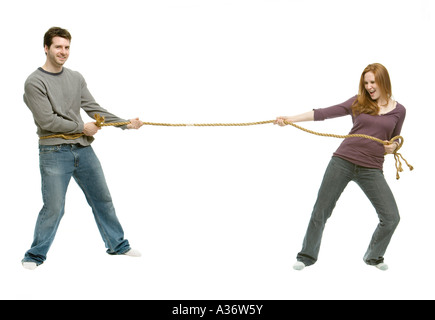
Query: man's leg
56,165
90,177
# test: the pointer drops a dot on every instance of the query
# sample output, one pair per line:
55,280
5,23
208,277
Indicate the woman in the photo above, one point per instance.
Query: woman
373,113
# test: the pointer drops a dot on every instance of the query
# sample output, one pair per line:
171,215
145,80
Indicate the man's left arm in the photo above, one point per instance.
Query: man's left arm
91,107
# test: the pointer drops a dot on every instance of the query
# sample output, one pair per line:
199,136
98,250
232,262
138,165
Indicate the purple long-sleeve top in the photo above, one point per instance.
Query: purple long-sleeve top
362,151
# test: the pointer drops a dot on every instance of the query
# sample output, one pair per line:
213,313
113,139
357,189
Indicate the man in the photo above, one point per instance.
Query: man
55,96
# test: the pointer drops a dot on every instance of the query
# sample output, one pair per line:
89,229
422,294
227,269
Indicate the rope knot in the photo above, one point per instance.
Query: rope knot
99,120
397,156
399,168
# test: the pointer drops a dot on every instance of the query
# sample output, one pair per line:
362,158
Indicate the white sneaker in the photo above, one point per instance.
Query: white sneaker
29,265
132,253
298,265
382,266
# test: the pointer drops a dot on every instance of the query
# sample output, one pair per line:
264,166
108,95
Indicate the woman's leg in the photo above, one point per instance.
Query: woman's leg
338,174
374,185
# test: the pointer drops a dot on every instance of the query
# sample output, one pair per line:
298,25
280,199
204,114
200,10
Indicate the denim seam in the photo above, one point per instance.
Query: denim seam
97,218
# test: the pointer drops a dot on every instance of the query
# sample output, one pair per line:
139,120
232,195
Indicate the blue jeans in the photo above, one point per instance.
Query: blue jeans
338,174
58,164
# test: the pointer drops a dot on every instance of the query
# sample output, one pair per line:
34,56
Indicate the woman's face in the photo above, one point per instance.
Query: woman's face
371,86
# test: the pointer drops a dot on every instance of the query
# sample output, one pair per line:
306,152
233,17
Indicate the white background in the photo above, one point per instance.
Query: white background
220,213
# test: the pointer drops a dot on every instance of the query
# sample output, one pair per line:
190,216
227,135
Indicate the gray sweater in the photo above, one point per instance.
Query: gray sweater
55,100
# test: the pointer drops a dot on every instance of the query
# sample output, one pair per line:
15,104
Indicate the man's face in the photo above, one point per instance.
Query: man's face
58,52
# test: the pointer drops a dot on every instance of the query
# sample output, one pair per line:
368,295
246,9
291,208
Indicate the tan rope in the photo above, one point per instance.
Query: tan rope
100,123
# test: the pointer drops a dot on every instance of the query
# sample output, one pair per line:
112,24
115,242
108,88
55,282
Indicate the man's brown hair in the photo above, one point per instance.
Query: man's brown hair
55,32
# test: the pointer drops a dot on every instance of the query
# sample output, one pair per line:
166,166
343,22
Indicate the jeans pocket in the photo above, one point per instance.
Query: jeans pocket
340,163
48,149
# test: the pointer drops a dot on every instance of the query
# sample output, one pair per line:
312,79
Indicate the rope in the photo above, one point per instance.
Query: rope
100,123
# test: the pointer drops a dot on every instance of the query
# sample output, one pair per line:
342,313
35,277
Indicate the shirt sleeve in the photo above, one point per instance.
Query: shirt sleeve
36,99
339,110
398,128
91,107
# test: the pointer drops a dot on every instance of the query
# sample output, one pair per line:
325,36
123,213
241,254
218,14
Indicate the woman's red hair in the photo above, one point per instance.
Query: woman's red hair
364,103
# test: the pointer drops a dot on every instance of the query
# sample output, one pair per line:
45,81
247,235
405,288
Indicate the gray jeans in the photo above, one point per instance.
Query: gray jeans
338,174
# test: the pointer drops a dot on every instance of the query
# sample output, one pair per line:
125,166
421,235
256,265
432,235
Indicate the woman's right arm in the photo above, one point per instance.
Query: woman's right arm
321,114
307,116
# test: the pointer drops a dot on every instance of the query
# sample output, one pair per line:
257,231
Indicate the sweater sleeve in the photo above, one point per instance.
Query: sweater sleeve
91,107
36,99
398,128
339,110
